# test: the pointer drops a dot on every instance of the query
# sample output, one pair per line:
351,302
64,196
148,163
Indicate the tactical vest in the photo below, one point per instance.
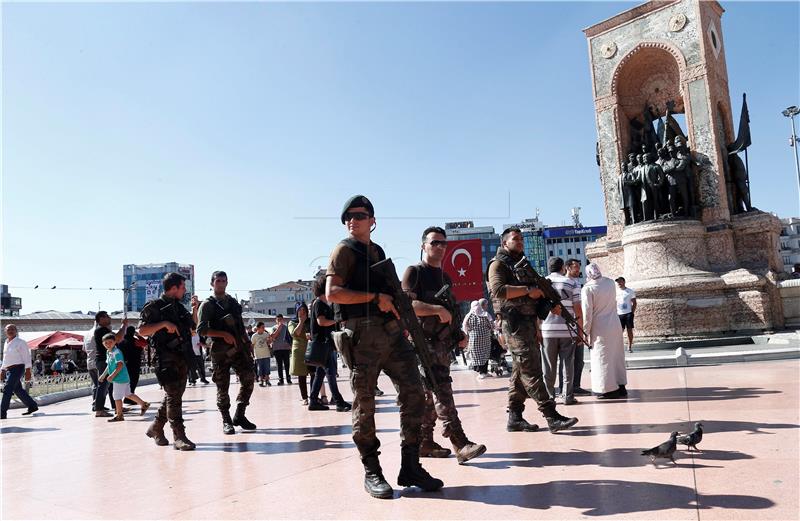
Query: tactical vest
231,306
361,279
523,305
429,281
173,311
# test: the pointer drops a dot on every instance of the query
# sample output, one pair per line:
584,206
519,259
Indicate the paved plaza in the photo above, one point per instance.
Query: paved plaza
64,464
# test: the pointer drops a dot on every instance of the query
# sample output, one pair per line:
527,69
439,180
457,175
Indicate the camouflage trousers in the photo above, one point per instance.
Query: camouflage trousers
380,347
526,373
224,360
172,405
440,404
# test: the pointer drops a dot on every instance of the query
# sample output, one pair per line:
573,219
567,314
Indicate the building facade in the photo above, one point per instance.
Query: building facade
463,230
143,283
789,243
9,304
569,242
281,298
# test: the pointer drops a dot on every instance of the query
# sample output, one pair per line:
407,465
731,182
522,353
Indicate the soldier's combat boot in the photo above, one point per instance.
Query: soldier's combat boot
516,423
431,449
412,474
181,441
227,423
240,420
374,482
465,450
156,431
556,422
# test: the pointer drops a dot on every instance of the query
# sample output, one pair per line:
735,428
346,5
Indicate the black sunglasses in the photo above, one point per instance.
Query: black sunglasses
438,243
358,216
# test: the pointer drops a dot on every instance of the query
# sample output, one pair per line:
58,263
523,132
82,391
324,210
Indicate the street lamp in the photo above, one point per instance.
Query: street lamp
790,113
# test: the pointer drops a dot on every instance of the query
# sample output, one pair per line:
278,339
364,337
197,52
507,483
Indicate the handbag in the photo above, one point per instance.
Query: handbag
318,351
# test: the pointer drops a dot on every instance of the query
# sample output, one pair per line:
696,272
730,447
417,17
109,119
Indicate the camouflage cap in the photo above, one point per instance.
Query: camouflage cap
358,201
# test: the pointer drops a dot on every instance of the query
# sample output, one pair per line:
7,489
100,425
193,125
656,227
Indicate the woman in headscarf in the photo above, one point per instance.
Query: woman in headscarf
601,324
478,328
300,331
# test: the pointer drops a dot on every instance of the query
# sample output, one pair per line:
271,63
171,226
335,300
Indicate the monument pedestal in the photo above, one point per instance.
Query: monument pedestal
695,281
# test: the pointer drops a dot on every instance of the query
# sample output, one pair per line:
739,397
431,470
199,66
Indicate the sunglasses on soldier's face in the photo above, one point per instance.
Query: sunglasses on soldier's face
358,216
438,243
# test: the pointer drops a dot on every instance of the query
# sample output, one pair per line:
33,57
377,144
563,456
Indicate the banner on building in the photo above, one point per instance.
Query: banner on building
462,263
152,290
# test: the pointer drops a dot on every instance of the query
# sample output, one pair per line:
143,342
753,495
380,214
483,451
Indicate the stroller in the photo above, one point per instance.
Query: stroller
497,358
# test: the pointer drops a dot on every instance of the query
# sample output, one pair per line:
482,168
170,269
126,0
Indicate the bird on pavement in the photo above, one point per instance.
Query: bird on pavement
693,438
665,450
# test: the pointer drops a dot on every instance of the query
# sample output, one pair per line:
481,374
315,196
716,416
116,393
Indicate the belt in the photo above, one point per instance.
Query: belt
352,323
13,366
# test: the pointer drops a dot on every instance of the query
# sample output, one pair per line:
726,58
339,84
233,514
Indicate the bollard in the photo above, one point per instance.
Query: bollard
681,357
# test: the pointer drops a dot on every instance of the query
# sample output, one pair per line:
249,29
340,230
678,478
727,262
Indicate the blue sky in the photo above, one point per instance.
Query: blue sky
229,135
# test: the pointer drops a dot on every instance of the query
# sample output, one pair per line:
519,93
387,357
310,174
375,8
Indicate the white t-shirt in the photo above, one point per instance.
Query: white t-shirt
624,298
197,347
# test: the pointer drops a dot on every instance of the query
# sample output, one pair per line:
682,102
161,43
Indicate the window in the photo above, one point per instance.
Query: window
577,251
551,253
290,311
569,251
560,252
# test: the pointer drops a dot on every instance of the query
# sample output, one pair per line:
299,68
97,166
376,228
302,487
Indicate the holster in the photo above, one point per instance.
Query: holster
343,340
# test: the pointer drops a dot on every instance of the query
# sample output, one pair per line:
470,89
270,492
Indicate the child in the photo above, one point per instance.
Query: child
118,375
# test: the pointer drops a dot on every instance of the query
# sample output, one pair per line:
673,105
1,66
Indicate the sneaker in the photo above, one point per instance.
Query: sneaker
580,391
205,382
304,401
102,414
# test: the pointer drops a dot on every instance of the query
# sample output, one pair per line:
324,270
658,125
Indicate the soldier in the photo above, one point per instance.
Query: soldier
364,308
422,282
221,320
633,184
168,325
517,304
652,182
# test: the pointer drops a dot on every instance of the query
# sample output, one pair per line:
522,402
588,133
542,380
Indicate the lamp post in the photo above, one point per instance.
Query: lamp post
790,113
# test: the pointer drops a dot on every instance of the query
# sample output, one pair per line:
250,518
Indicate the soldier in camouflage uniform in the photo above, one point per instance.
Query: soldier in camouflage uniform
377,343
221,320
422,282
168,325
517,304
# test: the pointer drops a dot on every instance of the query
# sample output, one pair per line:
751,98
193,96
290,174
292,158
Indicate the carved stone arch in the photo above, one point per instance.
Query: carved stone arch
663,45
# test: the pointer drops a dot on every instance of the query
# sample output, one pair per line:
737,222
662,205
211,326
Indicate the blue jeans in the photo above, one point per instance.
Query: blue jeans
14,386
263,367
330,371
101,389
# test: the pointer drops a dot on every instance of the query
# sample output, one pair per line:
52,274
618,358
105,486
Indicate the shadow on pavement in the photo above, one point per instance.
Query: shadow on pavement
330,430
608,458
479,391
692,394
305,445
596,497
14,430
709,428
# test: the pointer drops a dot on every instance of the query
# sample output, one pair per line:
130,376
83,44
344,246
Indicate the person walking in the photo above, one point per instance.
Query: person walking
281,343
479,346
298,329
117,373
102,328
260,341
16,363
626,307
601,324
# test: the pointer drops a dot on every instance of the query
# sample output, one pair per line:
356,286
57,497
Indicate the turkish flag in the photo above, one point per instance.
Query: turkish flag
462,263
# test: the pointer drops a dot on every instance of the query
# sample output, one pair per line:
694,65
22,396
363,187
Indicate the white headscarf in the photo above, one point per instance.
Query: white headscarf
473,310
479,309
593,271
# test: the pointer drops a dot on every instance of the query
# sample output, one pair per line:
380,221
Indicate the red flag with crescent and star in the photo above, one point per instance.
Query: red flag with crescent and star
462,263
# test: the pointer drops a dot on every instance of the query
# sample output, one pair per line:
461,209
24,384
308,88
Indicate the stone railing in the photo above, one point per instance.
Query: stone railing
44,385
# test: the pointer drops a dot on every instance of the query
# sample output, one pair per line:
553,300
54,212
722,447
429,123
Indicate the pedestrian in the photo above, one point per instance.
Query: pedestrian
133,359
260,340
626,307
558,342
38,366
517,303
321,325
57,367
16,363
197,365
102,328
601,324
281,343
574,274
479,346
221,319
168,325
298,328
117,373
373,341
422,282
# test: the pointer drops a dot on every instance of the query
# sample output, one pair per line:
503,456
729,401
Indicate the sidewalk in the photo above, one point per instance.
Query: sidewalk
64,464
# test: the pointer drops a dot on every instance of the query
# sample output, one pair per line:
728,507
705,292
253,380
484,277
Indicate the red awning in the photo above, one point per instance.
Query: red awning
54,337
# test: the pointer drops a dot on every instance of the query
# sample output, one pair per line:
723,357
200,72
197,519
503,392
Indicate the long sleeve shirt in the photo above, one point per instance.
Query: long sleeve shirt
17,352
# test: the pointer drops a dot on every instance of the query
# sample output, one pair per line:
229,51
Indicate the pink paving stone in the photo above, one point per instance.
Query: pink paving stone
64,464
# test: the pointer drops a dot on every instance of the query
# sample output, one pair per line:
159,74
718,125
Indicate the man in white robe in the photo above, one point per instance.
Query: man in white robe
601,324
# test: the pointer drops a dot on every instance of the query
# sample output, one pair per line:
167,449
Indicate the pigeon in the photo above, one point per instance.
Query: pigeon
665,450
693,438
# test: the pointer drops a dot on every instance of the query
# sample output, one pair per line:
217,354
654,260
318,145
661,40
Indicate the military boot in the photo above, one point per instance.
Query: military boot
556,422
156,431
517,423
431,449
374,482
240,420
227,422
465,450
181,441
412,474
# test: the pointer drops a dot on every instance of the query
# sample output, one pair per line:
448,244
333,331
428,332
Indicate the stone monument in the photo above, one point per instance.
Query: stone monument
681,227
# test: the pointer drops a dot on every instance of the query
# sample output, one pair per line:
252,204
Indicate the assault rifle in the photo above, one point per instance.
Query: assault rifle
445,296
408,319
527,274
